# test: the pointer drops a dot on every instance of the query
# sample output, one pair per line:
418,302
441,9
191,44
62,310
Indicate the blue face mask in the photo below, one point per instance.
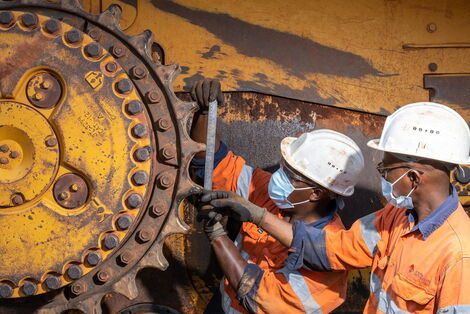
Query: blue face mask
280,188
400,201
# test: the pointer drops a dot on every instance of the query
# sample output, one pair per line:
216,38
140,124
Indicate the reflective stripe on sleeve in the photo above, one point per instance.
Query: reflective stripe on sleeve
244,180
300,287
238,244
385,303
458,308
369,233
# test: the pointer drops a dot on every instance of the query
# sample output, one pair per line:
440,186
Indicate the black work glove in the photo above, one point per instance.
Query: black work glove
234,205
206,91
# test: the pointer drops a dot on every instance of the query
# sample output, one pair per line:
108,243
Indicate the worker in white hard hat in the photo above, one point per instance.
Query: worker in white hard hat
418,245
317,170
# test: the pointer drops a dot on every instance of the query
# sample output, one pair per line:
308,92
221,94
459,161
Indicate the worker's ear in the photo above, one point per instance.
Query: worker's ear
415,178
316,195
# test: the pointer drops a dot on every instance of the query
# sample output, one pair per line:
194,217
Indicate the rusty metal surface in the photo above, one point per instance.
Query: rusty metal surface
101,71
70,191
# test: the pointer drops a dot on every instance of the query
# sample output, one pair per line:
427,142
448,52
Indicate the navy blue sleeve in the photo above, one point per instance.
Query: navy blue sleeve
248,287
199,164
308,248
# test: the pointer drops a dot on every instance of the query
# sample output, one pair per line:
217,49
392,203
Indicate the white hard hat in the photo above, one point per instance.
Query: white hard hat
326,157
428,130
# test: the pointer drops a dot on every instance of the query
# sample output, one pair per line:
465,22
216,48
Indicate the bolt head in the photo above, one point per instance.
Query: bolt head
93,50
124,86
6,18
38,96
157,210
431,27
153,96
6,290
4,148
102,276
124,222
165,180
29,20
73,36
142,154
74,187
52,282
111,66
134,201
139,130
432,67
3,160
17,199
168,152
118,51
74,272
77,288
51,142
140,177
110,241
145,234
163,124
95,34
138,72
126,257
46,84
14,155
93,258
52,26
134,107
29,288
63,196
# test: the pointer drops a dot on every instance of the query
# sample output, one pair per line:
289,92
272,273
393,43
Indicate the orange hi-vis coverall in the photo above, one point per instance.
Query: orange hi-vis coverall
267,286
416,267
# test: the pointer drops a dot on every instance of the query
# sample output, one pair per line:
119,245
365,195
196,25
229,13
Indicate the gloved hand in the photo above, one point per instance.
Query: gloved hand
213,228
206,91
234,205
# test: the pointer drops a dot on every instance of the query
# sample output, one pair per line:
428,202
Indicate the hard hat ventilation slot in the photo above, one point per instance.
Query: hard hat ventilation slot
425,130
333,166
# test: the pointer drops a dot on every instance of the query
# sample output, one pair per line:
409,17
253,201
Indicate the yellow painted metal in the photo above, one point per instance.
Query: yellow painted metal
373,33
94,141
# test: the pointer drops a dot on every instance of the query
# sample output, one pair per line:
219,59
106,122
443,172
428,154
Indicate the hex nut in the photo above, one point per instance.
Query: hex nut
29,288
142,154
94,34
29,20
168,152
6,290
110,241
51,26
124,222
102,276
126,257
118,51
17,199
432,67
51,142
4,148
163,124
77,288
139,130
6,18
134,107
134,201
3,160
138,72
73,36
14,155
140,177
52,282
93,50
111,66
93,258
74,272
124,86
145,234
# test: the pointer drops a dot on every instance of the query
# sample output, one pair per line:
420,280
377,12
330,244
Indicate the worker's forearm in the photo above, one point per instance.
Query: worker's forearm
229,258
199,133
278,228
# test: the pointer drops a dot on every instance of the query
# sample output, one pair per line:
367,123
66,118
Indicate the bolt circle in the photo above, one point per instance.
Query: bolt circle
138,72
142,154
29,20
118,51
111,66
103,276
134,107
74,272
153,96
52,282
6,290
139,130
77,288
6,18
51,142
73,36
110,241
4,148
93,50
134,201
124,222
140,177
51,26
163,124
124,86
29,288
93,258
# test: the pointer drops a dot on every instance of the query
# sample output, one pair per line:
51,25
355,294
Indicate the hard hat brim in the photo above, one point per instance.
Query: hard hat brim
375,144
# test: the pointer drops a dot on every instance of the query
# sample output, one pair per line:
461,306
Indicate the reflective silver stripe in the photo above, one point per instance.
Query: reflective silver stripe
238,244
300,287
244,180
385,303
369,233
458,308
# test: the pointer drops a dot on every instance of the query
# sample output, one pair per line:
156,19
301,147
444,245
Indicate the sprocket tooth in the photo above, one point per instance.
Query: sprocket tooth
127,286
143,43
71,5
111,17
